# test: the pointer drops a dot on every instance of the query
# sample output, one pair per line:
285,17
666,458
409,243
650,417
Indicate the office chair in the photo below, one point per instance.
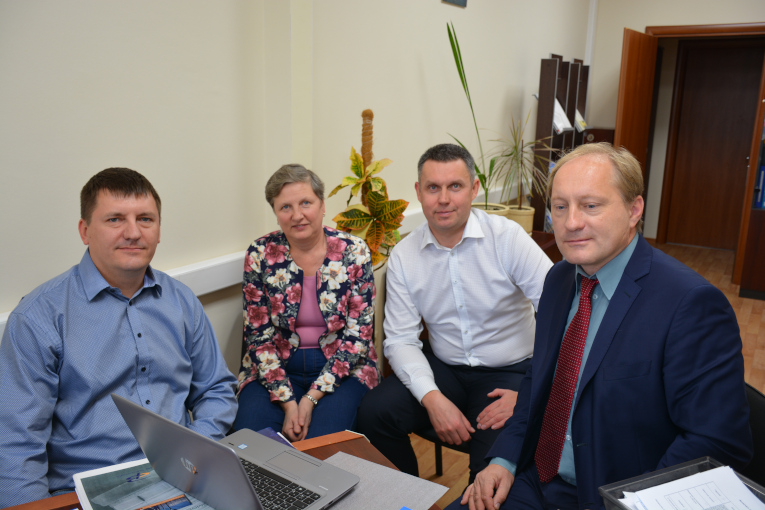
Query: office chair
430,434
755,471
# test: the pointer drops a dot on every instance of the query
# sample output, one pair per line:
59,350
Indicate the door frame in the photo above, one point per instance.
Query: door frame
712,31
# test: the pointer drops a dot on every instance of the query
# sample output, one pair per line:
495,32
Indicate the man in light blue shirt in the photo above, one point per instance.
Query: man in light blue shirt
111,324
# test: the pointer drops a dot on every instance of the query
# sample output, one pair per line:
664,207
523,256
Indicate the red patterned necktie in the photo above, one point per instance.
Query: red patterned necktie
555,420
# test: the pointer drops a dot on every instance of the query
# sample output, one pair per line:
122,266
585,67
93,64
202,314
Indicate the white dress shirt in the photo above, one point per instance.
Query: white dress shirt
477,299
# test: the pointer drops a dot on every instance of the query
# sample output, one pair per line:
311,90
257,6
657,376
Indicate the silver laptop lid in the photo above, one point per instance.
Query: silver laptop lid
212,472
195,464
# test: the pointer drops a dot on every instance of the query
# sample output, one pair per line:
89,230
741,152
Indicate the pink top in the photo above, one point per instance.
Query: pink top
309,324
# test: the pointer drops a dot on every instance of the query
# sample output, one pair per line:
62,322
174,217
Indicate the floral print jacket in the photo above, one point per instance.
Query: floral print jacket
272,292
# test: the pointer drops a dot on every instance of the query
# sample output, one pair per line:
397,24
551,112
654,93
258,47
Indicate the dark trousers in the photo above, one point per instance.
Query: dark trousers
389,412
529,493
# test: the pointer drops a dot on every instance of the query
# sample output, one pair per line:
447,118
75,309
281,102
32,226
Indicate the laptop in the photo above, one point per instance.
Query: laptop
220,473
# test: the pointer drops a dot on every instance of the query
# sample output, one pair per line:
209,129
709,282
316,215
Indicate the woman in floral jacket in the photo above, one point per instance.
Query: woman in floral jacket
308,318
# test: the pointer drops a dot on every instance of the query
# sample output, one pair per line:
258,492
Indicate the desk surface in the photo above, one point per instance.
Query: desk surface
320,447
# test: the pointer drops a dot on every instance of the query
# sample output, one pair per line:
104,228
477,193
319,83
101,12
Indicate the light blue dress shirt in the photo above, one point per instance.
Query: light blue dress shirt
75,340
608,279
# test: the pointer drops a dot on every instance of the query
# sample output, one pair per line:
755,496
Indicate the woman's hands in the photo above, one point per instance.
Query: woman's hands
297,416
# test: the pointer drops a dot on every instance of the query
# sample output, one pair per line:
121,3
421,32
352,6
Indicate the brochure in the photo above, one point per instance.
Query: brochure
130,486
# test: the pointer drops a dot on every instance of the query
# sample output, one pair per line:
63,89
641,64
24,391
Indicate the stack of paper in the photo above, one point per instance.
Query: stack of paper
717,489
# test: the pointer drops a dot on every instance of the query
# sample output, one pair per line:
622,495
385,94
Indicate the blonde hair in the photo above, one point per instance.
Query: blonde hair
628,176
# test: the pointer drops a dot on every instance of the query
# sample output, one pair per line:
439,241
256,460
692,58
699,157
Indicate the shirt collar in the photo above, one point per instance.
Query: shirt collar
609,275
472,229
93,282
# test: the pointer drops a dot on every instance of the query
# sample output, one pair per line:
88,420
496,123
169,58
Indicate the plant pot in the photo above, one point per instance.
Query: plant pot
523,216
492,208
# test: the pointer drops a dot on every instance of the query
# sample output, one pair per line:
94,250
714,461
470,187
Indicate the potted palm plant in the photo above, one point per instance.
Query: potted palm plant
523,170
487,174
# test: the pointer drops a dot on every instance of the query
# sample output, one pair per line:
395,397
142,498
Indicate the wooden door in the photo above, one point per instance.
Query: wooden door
747,269
715,105
635,100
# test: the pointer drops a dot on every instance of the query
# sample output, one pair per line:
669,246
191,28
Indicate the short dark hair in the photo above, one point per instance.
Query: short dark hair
120,182
290,174
444,153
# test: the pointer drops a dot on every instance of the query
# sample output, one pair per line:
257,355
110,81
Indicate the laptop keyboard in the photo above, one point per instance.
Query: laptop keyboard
276,493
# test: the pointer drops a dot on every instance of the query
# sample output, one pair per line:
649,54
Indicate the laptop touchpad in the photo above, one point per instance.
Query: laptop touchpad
293,464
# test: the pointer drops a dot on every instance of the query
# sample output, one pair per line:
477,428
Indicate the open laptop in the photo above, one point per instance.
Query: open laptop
216,473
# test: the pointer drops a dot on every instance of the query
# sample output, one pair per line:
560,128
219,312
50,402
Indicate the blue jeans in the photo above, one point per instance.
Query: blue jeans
335,412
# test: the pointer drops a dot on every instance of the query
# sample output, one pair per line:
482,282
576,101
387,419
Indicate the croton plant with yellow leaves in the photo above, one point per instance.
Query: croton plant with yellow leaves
377,218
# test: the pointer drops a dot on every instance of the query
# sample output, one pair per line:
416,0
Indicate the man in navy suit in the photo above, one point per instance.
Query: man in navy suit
658,376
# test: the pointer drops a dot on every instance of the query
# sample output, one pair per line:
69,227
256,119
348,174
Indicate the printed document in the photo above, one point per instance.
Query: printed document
715,489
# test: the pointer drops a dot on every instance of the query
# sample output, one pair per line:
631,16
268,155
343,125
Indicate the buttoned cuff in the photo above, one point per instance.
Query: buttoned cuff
422,387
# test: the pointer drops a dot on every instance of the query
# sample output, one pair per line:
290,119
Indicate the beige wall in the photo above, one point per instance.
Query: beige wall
394,57
167,88
174,89
616,15
207,99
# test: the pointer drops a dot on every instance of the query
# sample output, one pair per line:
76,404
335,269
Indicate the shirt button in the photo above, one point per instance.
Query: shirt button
139,335
568,437
143,369
148,402
130,303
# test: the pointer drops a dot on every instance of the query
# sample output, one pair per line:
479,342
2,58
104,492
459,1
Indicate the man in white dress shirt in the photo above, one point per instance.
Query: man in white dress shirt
474,280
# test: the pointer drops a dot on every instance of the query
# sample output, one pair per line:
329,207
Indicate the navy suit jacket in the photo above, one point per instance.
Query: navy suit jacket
663,383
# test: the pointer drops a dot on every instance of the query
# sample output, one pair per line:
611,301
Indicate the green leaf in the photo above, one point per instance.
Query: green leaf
374,199
391,213
349,181
354,219
357,163
392,237
337,188
458,59
375,235
376,256
457,53
376,184
376,167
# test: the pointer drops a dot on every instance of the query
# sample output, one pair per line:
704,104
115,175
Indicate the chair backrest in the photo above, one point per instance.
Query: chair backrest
755,471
